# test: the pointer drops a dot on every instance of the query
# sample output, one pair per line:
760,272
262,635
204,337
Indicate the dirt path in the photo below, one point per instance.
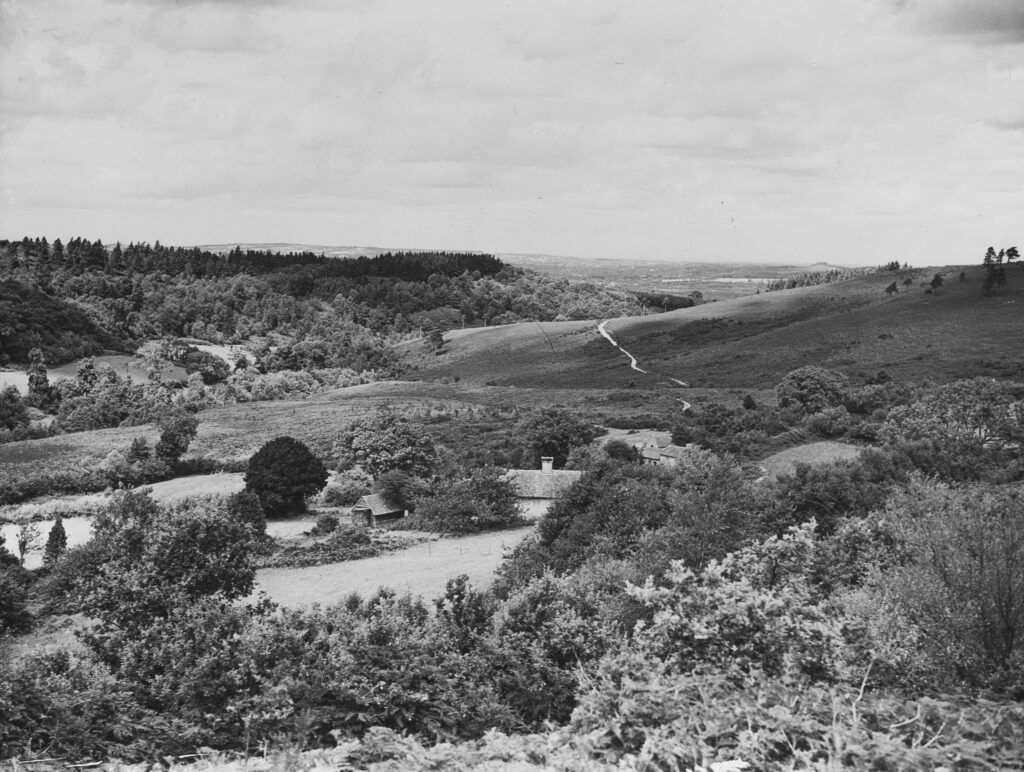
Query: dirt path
422,570
603,329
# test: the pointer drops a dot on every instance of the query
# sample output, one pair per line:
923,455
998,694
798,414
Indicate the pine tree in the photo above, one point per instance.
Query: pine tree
56,543
40,394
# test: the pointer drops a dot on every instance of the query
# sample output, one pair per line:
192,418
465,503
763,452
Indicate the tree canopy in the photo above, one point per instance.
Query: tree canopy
283,474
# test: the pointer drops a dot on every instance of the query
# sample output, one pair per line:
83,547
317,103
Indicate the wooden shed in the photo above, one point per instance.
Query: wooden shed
373,509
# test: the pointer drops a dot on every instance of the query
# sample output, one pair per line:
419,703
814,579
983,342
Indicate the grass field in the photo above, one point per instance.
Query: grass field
812,453
422,570
122,364
164,492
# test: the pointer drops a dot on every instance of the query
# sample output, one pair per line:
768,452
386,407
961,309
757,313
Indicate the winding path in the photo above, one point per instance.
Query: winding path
603,329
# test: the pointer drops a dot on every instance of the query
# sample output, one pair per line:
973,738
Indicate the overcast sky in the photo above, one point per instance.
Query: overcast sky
853,131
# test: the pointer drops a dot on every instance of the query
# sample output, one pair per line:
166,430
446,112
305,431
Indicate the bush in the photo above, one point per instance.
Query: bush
325,525
283,474
346,489
830,422
75,708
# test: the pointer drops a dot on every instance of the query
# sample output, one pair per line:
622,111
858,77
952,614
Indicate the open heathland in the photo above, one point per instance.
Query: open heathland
752,341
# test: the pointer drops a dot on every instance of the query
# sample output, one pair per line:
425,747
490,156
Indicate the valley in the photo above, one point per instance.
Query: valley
425,495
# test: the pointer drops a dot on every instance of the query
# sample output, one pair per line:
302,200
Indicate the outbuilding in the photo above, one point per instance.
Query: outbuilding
373,509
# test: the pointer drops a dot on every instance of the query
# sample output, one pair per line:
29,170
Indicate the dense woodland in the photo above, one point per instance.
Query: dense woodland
97,297
858,614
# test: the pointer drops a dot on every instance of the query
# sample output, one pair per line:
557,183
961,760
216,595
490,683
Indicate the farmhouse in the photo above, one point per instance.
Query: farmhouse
373,509
537,488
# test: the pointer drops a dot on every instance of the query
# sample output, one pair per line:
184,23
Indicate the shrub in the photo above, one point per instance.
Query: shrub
346,488
484,501
283,474
75,708
830,422
325,525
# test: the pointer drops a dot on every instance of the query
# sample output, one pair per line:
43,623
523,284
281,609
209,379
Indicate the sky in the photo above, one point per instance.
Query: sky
789,131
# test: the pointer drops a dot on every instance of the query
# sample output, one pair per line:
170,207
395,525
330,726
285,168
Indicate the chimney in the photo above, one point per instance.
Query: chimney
547,463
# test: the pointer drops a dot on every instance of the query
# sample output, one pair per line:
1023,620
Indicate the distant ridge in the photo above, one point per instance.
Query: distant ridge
523,259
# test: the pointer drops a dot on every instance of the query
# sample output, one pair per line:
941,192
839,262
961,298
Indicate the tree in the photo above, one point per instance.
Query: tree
811,389
56,542
155,562
553,432
483,502
14,615
387,441
27,538
892,289
963,430
400,489
211,368
13,413
435,338
936,281
620,450
40,393
283,474
177,430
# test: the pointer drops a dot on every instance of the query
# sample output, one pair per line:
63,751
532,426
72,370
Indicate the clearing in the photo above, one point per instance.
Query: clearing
423,570
812,453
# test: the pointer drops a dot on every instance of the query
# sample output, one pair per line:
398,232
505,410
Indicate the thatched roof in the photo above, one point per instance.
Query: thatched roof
538,484
377,504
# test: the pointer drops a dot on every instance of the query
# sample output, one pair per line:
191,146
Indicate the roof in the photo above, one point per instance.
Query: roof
377,504
674,451
538,484
669,451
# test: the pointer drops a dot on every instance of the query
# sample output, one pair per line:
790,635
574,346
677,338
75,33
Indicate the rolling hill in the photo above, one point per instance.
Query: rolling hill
752,341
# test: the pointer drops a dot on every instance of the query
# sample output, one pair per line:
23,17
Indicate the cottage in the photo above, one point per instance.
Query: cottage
536,489
373,509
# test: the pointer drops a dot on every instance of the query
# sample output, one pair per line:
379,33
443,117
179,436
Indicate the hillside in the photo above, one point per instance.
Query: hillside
748,342
31,319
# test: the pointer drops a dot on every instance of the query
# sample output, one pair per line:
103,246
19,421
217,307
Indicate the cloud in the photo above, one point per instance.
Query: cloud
774,129
986,21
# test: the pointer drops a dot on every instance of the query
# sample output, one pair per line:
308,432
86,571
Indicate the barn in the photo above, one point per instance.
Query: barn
373,509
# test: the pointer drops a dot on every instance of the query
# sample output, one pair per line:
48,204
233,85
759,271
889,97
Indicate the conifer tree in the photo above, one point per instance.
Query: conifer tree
56,543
